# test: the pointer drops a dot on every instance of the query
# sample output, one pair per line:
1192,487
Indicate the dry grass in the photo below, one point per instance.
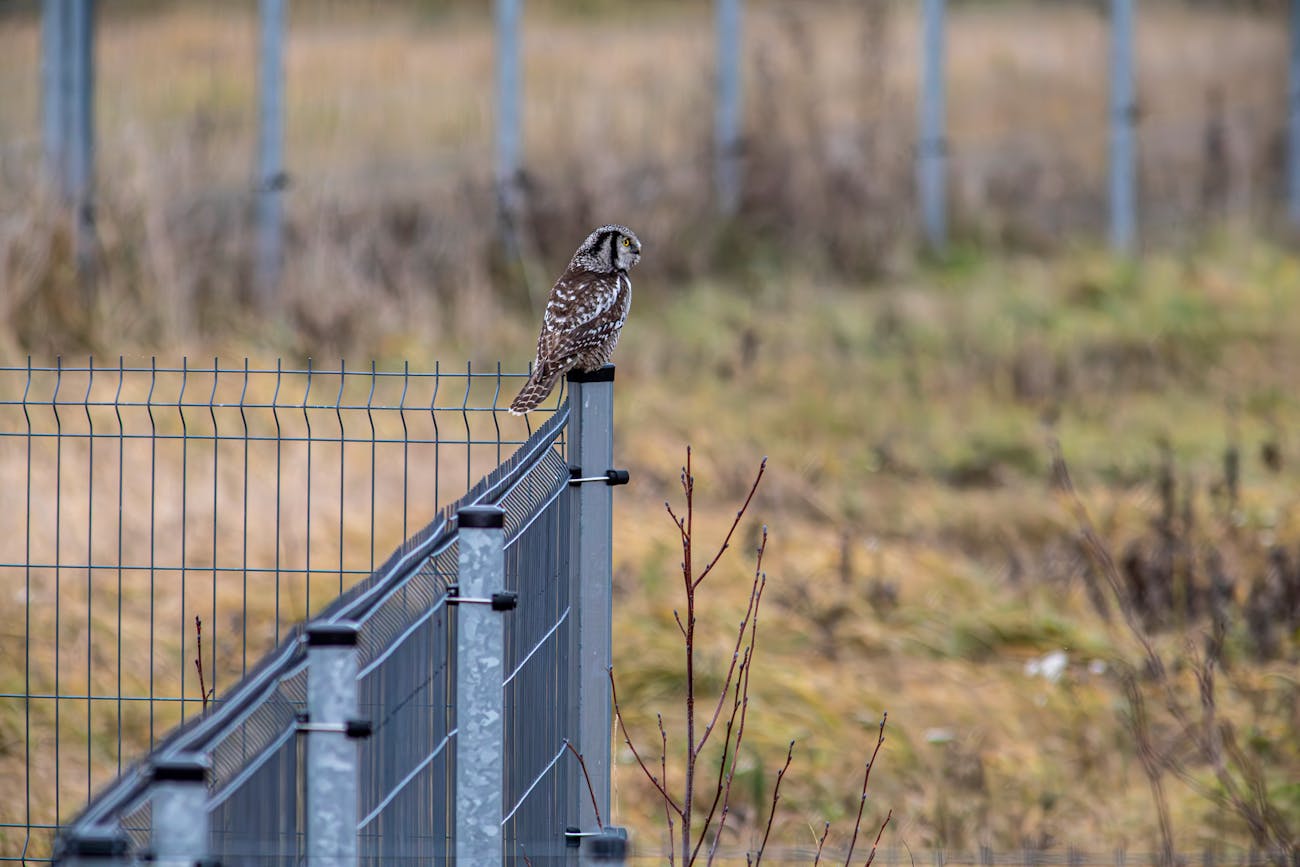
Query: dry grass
904,422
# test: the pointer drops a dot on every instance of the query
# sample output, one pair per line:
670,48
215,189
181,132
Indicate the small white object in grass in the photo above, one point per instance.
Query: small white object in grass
1049,667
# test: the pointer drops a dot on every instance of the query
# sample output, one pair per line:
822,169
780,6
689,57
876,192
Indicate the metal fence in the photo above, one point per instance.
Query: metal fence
248,497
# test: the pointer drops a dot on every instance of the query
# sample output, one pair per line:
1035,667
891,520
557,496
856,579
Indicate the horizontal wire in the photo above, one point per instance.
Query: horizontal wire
202,437
236,570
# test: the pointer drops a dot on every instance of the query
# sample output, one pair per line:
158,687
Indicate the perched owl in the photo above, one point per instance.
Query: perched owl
585,313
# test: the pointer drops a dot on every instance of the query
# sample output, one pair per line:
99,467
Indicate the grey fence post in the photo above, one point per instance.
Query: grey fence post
480,664
1293,119
271,178
1123,120
95,847
727,110
179,813
932,156
591,451
331,751
78,108
53,53
508,97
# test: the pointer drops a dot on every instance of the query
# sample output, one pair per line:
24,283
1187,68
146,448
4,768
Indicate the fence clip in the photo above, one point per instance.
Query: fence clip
611,477
356,729
502,600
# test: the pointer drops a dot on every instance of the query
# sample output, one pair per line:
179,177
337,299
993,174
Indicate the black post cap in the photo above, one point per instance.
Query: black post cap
181,769
481,517
96,843
600,374
332,634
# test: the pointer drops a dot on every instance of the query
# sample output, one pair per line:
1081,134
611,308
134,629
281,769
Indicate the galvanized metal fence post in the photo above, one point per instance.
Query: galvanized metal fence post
178,810
95,847
1293,119
727,111
271,178
480,699
932,151
591,452
331,751
53,53
508,148
1123,121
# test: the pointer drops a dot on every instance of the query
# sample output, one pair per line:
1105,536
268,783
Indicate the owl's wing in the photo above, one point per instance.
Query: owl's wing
579,297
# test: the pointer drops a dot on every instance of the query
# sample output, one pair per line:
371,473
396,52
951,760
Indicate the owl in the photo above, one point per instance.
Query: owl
584,314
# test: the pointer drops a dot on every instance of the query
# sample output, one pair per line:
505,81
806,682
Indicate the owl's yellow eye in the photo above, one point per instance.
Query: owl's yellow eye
627,242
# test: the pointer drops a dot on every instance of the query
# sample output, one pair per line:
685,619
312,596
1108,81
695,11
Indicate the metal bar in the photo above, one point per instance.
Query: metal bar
727,110
1293,118
508,105
121,502
270,150
90,590
480,658
331,756
58,596
932,156
591,448
80,111
53,130
1123,122
27,623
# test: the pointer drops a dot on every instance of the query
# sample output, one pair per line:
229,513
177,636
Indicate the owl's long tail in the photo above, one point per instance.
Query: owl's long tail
539,385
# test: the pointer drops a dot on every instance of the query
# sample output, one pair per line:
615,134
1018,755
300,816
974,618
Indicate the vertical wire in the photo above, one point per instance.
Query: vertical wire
90,558
58,577
279,477
406,440
437,438
243,533
216,450
153,529
338,412
121,482
370,417
185,479
464,416
496,418
306,417
27,622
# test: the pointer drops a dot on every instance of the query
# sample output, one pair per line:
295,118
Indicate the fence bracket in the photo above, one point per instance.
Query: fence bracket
356,729
611,477
502,600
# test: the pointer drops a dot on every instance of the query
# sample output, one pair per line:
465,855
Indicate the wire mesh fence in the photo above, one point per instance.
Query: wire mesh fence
168,525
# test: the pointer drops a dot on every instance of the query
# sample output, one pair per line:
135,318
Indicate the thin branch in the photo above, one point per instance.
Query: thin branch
663,768
722,764
866,778
627,739
755,600
198,661
744,507
881,833
590,791
776,797
821,844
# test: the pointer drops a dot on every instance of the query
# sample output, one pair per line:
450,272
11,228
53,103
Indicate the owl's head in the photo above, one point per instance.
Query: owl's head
608,249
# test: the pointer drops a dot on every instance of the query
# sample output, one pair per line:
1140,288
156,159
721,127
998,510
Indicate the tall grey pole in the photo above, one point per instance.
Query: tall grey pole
79,111
53,61
1293,120
1123,120
508,90
480,697
331,751
932,155
271,177
178,811
591,451
727,109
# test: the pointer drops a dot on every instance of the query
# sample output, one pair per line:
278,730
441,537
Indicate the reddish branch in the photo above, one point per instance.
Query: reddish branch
879,834
776,798
590,791
862,801
198,661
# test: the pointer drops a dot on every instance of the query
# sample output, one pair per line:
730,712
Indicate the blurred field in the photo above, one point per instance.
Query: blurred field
919,557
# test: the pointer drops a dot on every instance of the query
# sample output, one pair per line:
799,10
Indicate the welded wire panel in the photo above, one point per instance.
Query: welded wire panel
141,497
541,776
